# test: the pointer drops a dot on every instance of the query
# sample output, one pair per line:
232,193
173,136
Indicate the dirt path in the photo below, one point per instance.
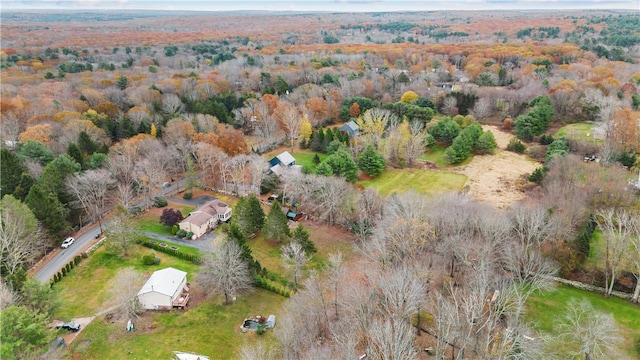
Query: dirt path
499,178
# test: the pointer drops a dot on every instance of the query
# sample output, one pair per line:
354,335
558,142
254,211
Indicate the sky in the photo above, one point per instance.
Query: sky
319,5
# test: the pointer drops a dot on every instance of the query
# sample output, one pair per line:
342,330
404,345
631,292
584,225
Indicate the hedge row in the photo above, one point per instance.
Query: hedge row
264,283
167,250
67,269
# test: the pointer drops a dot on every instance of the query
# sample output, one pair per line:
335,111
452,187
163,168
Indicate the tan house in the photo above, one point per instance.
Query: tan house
206,217
165,289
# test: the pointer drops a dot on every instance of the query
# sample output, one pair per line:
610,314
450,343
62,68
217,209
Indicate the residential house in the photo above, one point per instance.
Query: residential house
165,289
283,162
206,217
350,128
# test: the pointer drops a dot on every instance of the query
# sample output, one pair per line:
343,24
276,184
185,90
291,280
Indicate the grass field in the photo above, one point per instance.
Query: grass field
421,181
577,131
436,154
544,310
87,289
209,329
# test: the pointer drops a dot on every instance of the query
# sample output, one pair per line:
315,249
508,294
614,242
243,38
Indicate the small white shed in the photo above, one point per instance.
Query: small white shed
165,289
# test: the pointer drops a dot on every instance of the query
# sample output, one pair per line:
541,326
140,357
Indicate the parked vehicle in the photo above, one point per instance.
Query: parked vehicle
71,326
68,242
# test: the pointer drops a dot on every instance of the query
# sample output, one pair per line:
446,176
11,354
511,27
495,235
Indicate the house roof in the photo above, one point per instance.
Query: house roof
197,218
206,211
350,127
286,158
166,281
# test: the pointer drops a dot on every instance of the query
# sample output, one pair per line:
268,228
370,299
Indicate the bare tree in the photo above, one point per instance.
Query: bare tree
125,287
391,340
594,334
121,231
290,120
225,272
634,255
171,104
295,258
259,351
92,191
258,167
618,227
19,234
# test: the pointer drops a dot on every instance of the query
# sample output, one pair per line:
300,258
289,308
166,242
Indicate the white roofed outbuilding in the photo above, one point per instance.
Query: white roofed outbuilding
165,289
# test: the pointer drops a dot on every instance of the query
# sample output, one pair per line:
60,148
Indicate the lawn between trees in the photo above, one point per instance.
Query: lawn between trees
544,310
206,326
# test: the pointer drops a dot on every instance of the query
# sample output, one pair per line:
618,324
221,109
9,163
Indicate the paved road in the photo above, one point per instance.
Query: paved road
64,256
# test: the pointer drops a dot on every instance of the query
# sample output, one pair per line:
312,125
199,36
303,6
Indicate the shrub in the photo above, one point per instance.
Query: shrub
545,139
181,233
160,201
187,196
134,210
516,146
148,260
156,261
189,235
77,259
174,229
538,175
537,152
262,328
507,124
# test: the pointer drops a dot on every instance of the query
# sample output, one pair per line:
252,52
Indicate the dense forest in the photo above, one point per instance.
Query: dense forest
102,109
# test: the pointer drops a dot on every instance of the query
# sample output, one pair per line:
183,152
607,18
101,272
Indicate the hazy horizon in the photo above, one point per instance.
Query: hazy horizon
320,5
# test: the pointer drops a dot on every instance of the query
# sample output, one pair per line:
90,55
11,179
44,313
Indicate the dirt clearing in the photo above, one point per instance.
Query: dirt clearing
498,179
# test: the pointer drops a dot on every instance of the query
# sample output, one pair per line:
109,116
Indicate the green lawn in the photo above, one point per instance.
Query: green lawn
435,154
150,220
577,131
208,328
421,181
544,309
87,289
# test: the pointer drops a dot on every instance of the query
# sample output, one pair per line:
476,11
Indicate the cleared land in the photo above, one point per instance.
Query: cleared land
499,178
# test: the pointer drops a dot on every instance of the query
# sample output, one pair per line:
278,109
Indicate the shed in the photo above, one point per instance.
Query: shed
165,289
293,215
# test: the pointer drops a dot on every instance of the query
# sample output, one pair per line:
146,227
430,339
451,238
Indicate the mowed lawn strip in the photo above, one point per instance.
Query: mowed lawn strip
209,329
545,309
150,220
421,181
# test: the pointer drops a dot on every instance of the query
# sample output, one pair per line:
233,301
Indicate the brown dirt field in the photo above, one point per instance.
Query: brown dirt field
499,178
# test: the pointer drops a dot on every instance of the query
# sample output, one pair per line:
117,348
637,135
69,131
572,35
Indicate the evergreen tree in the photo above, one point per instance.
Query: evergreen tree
486,143
317,140
276,225
52,178
122,82
86,144
301,235
236,235
11,174
256,214
35,150
342,164
371,162
21,191
49,211
324,169
76,154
